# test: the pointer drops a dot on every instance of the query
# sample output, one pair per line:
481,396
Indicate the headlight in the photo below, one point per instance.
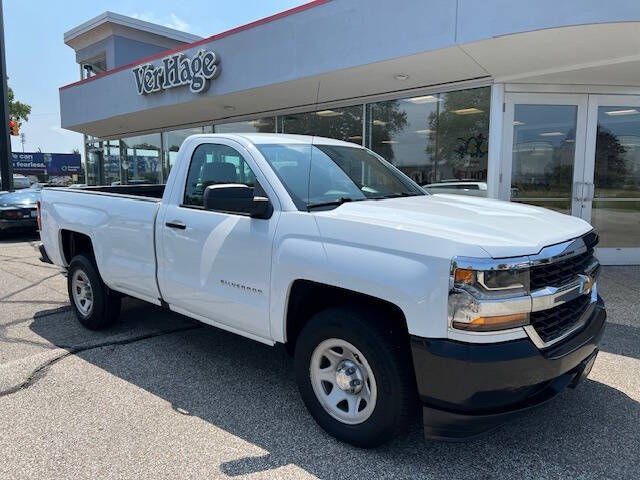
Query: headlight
489,299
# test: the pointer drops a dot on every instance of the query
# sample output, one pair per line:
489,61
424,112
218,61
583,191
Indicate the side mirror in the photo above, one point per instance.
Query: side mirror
236,198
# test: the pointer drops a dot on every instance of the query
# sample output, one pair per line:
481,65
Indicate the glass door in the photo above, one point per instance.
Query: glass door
543,150
612,176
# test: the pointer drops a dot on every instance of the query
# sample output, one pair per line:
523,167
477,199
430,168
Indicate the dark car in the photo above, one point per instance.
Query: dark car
18,210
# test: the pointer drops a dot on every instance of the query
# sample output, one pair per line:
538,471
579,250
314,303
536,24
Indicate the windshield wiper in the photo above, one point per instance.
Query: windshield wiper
337,202
398,195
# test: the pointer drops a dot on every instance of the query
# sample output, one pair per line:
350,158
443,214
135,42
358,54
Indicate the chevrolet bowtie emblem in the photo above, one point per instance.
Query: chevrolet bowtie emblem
587,283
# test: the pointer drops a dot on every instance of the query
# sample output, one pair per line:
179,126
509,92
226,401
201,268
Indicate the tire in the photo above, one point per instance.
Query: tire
104,307
386,356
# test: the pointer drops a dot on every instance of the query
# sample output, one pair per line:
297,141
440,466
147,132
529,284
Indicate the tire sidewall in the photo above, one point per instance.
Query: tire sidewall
349,325
94,319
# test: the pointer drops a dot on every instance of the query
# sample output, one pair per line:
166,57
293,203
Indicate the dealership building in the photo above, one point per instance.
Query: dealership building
535,102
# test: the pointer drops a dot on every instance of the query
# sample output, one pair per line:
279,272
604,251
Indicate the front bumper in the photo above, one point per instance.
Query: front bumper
467,389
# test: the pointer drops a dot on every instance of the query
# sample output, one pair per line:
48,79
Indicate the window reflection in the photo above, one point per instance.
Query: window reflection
543,155
259,125
616,206
141,160
439,140
339,123
174,139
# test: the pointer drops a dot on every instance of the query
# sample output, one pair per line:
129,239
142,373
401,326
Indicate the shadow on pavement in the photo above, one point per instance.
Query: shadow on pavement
248,390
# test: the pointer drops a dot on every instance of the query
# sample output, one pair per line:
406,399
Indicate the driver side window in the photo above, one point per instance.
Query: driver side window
213,164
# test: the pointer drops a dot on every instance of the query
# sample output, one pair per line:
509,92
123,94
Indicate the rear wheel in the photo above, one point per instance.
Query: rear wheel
95,306
355,375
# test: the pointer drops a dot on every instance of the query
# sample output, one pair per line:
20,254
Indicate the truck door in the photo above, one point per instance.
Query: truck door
216,265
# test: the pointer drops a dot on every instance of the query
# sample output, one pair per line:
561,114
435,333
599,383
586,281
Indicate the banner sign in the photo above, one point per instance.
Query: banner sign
47,163
177,70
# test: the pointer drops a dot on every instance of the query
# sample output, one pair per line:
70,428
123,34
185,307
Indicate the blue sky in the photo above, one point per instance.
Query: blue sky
38,61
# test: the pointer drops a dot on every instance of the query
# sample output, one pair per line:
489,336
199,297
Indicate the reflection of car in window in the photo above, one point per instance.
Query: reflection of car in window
474,188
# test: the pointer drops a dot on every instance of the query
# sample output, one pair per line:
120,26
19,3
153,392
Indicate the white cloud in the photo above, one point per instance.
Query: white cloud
171,21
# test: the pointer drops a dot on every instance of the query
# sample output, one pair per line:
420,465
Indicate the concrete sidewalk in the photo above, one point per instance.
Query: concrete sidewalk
161,396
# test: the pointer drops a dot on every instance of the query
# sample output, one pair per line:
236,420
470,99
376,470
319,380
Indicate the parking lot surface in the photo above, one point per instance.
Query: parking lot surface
161,396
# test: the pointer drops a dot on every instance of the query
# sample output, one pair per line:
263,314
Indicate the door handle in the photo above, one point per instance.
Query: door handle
176,224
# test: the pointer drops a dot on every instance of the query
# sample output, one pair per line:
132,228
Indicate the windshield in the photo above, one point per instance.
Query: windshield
329,175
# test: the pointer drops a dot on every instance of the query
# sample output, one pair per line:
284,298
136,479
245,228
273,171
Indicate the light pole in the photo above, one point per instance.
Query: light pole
6,167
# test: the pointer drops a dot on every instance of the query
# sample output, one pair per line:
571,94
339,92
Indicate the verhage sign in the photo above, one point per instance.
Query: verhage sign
178,70
49,163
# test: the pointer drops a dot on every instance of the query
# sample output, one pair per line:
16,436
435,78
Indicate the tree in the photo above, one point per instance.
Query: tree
17,109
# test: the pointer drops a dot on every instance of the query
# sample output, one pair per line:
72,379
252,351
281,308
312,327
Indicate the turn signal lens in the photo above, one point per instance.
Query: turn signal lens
463,275
486,324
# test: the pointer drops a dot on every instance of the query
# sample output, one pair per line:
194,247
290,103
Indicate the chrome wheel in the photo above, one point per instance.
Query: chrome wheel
82,292
343,381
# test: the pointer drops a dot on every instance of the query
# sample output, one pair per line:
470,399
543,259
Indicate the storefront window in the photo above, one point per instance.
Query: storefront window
173,140
339,123
462,142
111,162
141,159
93,162
403,132
259,125
439,140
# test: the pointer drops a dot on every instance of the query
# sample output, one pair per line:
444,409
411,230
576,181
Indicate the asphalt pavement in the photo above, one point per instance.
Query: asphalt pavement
161,396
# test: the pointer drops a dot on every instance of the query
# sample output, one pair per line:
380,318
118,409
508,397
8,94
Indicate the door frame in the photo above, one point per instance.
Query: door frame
578,100
607,255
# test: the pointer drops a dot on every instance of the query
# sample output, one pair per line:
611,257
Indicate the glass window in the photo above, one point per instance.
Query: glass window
616,206
339,123
141,159
328,174
544,139
259,125
434,138
111,163
462,142
173,140
93,162
213,164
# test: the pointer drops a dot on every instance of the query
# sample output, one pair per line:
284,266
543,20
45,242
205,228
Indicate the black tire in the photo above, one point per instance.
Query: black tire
106,304
387,353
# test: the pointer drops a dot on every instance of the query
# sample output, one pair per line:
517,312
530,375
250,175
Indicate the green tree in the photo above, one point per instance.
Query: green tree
17,109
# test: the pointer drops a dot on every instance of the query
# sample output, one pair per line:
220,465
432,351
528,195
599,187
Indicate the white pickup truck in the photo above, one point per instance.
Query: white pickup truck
388,298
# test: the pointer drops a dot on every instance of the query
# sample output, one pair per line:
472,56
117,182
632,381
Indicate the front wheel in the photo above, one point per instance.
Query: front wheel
95,306
355,375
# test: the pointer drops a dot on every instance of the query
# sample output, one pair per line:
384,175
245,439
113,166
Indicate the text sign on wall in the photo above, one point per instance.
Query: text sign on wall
178,70
50,163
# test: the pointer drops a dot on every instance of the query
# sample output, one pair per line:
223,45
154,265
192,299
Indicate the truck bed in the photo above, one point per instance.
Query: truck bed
154,191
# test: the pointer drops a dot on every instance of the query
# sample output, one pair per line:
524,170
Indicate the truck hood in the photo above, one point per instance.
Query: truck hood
502,229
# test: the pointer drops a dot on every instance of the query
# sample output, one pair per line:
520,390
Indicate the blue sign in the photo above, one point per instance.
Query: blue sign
47,163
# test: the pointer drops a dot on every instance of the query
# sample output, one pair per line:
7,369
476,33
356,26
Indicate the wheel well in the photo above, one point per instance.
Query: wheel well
74,243
306,298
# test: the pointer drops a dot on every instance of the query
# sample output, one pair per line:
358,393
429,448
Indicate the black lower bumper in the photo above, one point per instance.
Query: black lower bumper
467,389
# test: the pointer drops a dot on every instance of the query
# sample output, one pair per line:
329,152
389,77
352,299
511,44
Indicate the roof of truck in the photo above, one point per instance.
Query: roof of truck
266,138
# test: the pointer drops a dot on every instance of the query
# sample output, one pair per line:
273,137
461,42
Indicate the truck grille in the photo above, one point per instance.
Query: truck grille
555,322
561,272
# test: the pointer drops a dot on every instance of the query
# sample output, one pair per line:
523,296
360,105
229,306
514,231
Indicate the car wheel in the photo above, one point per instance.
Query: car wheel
95,306
355,375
